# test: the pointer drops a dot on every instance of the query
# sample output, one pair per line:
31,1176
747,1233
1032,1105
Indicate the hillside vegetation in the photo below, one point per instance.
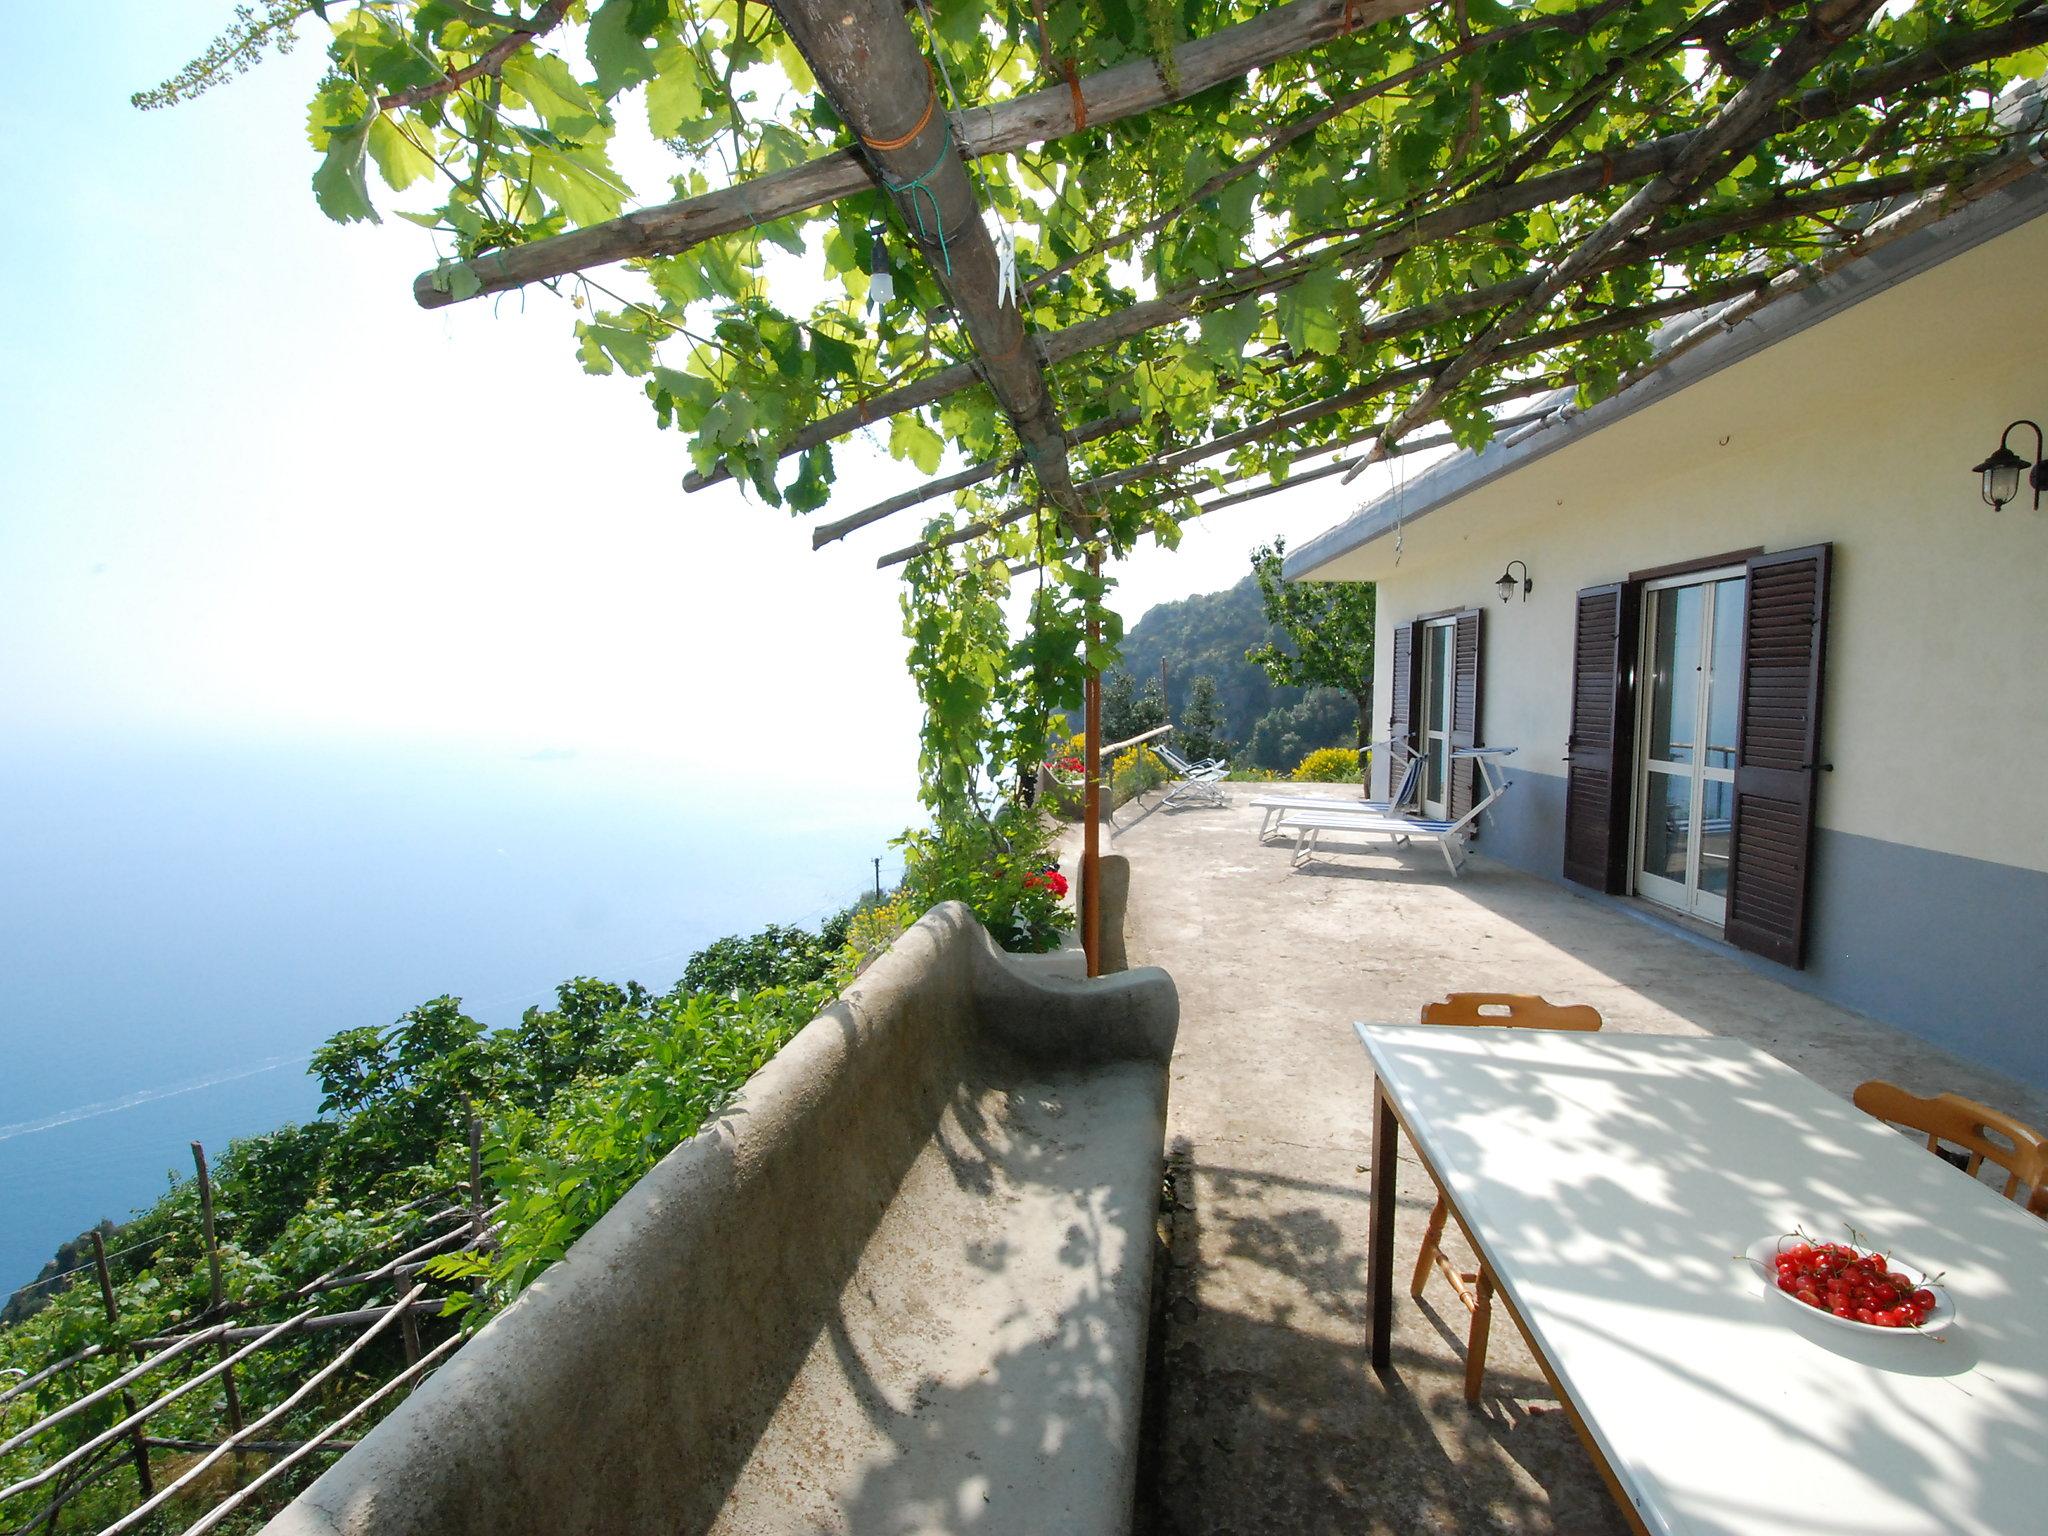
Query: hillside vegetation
1208,635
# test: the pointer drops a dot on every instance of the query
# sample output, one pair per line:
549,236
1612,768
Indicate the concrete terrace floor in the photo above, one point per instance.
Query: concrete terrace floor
1265,1418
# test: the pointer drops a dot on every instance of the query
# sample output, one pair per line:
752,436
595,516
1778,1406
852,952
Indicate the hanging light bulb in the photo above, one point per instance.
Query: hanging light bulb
881,282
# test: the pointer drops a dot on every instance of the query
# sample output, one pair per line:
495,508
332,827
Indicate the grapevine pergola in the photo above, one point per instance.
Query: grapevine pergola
1136,263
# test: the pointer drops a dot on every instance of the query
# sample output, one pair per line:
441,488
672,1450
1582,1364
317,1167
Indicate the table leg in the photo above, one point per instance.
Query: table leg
1379,1261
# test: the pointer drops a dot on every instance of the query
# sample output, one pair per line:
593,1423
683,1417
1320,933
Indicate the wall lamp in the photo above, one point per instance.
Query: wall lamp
1507,581
2001,472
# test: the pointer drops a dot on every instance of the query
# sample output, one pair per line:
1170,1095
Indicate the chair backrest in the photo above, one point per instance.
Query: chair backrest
1403,789
1984,1134
1173,759
1510,1010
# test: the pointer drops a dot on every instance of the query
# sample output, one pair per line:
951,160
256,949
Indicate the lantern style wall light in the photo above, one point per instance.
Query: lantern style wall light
2001,473
1506,584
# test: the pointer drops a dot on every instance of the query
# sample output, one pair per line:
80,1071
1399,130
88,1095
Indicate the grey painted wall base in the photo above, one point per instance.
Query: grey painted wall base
1952,949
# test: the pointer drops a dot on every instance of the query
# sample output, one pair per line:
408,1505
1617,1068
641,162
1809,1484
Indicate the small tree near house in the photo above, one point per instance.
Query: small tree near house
1328,626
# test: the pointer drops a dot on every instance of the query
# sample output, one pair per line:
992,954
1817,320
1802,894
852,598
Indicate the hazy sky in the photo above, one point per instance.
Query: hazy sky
247,489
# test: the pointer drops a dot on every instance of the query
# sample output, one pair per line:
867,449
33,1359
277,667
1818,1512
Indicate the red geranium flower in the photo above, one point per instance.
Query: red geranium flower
1048,880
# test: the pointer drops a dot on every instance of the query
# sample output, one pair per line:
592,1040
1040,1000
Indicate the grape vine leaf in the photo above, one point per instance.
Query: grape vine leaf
340,185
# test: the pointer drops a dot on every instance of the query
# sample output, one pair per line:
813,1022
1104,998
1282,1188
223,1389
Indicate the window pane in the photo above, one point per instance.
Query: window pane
1717,806
1729,597
1664,825
1438,673
1675,673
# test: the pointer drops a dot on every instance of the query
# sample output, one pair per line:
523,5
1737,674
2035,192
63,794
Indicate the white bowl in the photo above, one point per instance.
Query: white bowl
1763,1257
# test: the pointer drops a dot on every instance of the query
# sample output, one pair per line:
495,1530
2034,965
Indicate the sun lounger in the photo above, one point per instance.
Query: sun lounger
1450,837
1275,806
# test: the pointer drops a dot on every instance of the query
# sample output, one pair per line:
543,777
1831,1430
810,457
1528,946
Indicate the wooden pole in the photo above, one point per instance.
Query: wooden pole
267,1335
113,1310
214,1295
1091,799
476,1177
262,1447
870,66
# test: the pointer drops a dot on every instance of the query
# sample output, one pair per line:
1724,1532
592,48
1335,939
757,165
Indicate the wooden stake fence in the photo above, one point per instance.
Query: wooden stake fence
234,1398
127,1442
113,1310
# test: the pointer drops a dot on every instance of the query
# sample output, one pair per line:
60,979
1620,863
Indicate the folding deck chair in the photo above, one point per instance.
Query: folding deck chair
1450,837
1198,783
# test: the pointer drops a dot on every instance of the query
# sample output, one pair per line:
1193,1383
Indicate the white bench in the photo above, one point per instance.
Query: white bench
902,1281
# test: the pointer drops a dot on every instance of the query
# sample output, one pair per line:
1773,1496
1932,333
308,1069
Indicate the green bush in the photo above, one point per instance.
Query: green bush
875,927
777,956
1329,765
558,1172
993,866
1135,770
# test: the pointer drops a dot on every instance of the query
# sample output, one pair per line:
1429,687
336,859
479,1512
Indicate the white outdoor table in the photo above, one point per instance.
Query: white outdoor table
1609,1181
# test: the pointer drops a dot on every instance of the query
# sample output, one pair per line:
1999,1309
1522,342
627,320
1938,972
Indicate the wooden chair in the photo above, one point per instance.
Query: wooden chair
1980,1134
1510,1010
1505,1010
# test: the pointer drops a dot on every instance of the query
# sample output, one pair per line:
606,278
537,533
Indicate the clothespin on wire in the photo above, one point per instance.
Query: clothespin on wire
1006,266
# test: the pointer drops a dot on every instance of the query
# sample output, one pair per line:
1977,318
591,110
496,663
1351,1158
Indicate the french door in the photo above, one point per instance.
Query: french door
1686,738
1437,701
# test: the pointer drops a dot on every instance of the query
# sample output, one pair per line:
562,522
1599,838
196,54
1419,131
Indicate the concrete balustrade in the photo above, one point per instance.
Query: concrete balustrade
900,1286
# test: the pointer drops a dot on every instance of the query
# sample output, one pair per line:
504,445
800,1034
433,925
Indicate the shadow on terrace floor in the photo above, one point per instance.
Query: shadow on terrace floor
1267,1417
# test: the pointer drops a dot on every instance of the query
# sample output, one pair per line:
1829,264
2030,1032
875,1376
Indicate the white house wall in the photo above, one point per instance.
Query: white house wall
1932,858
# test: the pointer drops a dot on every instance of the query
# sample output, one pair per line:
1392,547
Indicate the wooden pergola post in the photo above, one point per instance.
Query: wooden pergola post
1091,799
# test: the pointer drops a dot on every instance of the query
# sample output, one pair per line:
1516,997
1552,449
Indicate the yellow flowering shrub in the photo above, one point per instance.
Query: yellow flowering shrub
1329,765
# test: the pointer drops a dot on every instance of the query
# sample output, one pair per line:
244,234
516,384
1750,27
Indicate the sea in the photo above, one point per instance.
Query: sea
180,927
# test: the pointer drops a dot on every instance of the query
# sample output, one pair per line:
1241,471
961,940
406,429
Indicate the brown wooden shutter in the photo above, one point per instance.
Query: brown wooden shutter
1598,751
1464,708
1401,704
1777,752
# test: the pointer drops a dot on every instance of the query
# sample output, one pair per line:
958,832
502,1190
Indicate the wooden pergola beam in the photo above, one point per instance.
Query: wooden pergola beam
1108,96
1472,211
1733,127
868,62
1417,373
1934,203
1394,324
1703,297
975,530
945,485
